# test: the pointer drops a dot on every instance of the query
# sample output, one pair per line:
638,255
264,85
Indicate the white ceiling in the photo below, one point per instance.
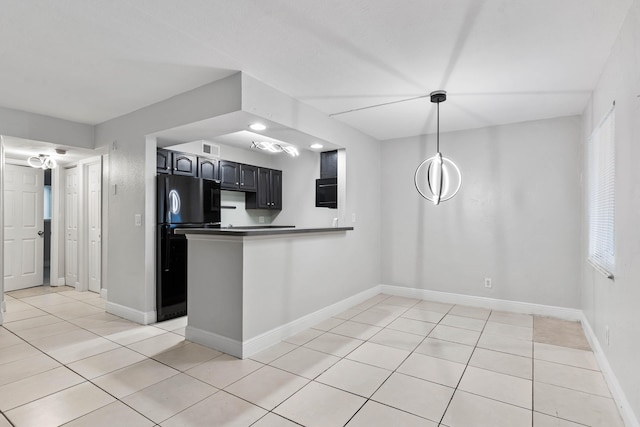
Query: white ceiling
501,61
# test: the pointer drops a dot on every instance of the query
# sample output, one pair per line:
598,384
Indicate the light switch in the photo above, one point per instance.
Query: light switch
114,189
138,220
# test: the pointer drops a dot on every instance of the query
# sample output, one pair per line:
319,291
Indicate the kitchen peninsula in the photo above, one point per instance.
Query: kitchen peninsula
242,283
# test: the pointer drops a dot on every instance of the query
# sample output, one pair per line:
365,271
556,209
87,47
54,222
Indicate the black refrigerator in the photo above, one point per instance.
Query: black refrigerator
183,202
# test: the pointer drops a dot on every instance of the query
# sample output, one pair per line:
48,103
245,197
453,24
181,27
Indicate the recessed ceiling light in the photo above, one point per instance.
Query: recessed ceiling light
316,146
257,126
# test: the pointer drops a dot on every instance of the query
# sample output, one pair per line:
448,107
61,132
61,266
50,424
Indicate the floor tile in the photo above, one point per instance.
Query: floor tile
506,344
516,319
55,409
14,305
36,386
98,320
473,312
378,355
397,339
520,332
46,330
220,410
374,317
274,420
272,353
356,330
133,378
445,350
159,344
504,363
432,369
17,352
497,386
267,387
412,326
84,295
187,356
401,301
125,333
565,355
4,422
423,315
169,397
96,302
304,336
559,332
576,406
354,377
224,370
169,325
32,322
23,314
179,331
334,344
449,333
104,363
463,322
374,414
9,339
328,324
468,409
73,351
26,367
347,314
318,405
543,420
419,397
305,362
571,377
47,300
72,310
438,307
113,414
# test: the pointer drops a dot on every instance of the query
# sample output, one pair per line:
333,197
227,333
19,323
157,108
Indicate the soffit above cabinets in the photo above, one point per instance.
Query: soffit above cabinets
501,61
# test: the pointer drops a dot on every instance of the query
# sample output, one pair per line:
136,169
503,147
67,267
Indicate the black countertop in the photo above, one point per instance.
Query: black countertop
259,230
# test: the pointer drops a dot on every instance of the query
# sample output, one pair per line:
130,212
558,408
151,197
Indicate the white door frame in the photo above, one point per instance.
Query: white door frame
83,224
57,215
3,306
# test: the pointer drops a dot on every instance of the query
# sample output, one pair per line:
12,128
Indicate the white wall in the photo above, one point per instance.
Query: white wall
516,218
615,303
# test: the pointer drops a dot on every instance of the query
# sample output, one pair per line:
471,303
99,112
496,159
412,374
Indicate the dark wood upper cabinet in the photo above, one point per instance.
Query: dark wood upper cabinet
248,178
163,161
208,168
269,192
184,164
329,164
229,175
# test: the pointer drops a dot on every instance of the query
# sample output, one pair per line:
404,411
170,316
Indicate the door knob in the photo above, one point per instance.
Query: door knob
40,233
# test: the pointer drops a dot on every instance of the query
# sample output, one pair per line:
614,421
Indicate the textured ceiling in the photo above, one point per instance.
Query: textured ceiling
501,61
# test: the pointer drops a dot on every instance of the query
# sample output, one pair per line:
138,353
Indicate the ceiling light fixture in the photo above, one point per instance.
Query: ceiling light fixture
316,146
438,179
41,161
275,148
257,126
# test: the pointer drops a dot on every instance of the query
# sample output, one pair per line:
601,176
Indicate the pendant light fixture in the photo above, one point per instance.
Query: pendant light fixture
41,161
438,179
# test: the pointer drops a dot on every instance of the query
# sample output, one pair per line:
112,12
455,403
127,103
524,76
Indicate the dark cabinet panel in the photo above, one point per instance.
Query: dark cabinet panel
248,178
229,175
269,192
329,164
163,161
184,164
208,168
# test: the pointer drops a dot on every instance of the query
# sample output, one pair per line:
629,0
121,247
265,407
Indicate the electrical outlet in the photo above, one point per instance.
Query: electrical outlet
606,334
487,282
261,219
137,219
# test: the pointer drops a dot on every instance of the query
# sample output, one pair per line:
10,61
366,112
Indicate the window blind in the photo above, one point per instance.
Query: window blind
601,186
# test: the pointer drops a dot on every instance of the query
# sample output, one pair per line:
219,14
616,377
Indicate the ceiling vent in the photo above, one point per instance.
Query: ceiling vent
210,149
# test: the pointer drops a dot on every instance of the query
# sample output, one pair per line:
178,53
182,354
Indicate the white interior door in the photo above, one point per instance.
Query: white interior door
23,227
94,210
71,226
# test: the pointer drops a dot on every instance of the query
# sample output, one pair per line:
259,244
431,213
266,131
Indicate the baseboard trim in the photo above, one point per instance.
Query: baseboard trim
142,317
618,394
274,336
60,281
103,293
218,342
484,302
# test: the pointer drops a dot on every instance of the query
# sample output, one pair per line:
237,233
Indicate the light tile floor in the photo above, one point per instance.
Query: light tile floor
389,361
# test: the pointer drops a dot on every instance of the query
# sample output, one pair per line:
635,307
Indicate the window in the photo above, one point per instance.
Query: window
601,187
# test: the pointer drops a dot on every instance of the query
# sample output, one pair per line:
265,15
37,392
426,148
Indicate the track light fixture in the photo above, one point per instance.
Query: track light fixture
42,161
275,148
